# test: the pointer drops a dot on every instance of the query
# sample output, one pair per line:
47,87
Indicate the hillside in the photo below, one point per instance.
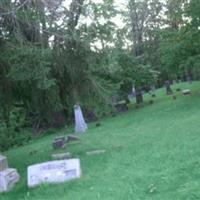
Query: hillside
151,153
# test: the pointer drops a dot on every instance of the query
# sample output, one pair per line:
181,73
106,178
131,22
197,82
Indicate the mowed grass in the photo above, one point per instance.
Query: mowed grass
151,153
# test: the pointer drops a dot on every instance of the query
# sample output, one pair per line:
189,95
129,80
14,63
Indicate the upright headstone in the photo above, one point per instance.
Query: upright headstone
95,152
3,163
133,91
72,138
61,156
57,144
8,176
80,125
53,172
168,88
153,89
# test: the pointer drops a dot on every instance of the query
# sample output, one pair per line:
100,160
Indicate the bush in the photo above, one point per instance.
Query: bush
14,134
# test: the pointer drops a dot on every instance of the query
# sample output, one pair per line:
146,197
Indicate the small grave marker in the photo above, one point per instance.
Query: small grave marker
54,172
8,177
186,92
72,138
61,156
3,163
95,152
80,125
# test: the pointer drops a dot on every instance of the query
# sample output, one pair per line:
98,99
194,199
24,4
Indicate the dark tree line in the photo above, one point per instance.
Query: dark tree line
53,56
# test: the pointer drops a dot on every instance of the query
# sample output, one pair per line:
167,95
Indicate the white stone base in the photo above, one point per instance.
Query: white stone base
8,178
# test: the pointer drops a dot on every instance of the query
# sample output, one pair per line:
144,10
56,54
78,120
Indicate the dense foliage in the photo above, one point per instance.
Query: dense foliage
54,54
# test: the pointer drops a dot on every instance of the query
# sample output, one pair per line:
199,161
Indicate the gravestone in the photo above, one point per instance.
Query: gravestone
95,152
8,176
59,142
186,92
80,125
121,106
54,172
168,88
61,156
72,138
3,163
60,138
133,91
90,116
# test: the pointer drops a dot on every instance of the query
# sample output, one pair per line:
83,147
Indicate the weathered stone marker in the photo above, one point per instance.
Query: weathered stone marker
186,92
54,172
58,144
95,152
8,176
72,138
3,163
61,156
168,88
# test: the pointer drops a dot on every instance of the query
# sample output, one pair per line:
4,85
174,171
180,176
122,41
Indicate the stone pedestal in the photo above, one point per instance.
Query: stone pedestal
57,144
8,178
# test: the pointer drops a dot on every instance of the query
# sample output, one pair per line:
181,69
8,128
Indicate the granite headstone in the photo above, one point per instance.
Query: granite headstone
53,172
80,125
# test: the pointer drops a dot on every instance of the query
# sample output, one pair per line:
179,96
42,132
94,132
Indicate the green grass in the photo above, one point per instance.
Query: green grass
152,153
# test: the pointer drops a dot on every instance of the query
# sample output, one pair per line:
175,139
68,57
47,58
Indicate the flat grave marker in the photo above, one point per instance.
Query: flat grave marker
186,92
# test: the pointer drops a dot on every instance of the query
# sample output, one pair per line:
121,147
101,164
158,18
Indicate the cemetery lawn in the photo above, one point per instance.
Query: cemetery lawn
152,153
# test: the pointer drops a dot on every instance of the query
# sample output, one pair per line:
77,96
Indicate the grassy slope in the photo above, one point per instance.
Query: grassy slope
152,153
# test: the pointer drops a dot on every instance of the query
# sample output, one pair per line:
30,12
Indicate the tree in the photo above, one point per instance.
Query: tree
143,15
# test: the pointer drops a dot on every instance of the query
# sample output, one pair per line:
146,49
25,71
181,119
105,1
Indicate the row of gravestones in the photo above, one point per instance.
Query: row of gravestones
57,171
49,172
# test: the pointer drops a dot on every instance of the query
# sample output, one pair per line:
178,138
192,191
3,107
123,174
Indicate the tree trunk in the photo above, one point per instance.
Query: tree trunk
139,96
168,88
